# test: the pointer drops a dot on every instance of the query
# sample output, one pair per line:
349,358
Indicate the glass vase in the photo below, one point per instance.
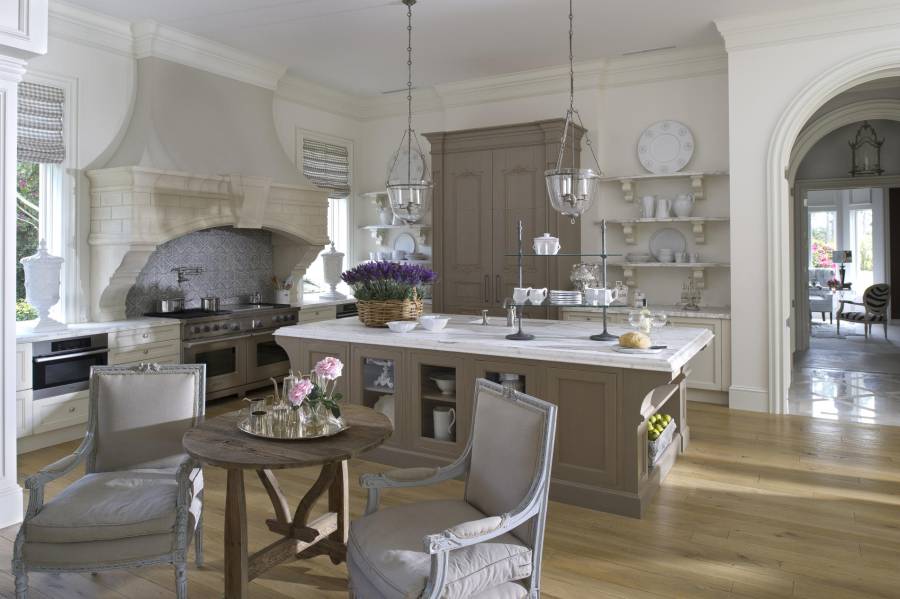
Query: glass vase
315,418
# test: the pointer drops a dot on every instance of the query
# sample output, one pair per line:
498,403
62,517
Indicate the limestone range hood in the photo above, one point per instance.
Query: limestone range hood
200,151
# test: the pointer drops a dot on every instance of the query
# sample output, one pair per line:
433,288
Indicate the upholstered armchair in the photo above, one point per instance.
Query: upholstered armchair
876,301
821,300
487,544
140,500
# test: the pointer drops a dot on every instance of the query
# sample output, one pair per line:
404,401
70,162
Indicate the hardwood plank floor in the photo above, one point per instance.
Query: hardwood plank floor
761,506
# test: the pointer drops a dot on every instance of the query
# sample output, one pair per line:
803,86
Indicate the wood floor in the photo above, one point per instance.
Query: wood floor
761,506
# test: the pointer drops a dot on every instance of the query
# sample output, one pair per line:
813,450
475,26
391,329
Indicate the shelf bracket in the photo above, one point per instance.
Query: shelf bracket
628,189
629,276
421,234
697,273
697,186
630,231
699,231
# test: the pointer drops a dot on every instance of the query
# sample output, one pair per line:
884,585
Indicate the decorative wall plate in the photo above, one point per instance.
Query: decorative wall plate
665,147
667,238
406,243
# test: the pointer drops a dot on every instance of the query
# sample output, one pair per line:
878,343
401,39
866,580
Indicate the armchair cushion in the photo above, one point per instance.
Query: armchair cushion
97,554
106,506
386,553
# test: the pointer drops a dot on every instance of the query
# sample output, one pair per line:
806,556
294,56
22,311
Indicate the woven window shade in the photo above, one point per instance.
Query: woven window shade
41,124
328,166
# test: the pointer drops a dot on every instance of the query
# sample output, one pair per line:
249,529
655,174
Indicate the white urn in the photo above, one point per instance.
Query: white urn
333,265
42,286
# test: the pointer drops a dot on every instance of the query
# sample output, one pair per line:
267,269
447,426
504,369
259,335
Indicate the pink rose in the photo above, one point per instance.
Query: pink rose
301,391
329,368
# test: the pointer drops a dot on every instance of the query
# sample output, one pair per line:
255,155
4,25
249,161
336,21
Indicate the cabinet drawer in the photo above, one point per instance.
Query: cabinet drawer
318,314
611,318
124,339
149,352
50,414
173,359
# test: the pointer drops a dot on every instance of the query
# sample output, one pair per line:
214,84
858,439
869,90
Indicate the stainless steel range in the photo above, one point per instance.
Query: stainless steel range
236,344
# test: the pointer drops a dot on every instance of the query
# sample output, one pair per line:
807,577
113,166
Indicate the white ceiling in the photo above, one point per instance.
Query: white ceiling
359,45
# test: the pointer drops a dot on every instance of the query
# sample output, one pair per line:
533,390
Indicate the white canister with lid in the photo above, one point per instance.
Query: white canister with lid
546,245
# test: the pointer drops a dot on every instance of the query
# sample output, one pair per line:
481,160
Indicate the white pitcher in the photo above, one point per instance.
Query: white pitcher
444,419
662,207
683,204
648,203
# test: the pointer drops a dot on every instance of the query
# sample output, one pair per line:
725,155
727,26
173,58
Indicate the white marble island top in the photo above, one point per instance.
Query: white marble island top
555,341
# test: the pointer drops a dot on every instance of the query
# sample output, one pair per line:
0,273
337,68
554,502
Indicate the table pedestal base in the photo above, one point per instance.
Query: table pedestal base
326,535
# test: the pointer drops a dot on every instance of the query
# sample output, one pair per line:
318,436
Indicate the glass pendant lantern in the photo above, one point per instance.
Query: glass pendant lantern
572,190
409,184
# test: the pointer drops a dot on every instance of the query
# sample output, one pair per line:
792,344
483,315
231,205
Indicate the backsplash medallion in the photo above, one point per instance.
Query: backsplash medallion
234,263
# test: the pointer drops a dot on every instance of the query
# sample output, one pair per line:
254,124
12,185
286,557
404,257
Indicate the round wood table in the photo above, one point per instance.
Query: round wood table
218,442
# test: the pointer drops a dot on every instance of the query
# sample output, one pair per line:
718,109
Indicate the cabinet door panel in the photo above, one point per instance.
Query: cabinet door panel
587,425
518,194
466,272
378,373
426,398
706,366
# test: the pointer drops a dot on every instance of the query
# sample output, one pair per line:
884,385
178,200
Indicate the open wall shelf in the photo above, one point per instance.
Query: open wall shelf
629,182
698,225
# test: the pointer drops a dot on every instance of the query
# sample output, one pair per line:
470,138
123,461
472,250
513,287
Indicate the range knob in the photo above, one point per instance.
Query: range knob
256,324
206,328
195,329
235,326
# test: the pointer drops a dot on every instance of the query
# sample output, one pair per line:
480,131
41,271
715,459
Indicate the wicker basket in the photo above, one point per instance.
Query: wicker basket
379,313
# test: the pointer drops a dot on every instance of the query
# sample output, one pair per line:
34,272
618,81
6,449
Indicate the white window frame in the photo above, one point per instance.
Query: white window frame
302,134
61,213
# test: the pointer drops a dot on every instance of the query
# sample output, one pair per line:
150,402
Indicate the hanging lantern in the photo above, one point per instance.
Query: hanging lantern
572,190
409,183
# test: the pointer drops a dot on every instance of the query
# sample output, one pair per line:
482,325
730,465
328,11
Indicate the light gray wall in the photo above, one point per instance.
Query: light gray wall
830,157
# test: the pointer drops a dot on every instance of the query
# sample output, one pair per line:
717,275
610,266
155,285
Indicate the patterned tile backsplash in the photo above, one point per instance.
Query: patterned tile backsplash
234,263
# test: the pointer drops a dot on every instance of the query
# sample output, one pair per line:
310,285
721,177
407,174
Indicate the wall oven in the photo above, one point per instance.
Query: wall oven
64,365
225,359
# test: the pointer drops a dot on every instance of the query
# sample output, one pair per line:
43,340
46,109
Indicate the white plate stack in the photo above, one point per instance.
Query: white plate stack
562,297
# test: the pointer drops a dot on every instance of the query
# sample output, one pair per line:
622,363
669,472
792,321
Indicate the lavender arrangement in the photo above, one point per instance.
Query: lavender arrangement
383,280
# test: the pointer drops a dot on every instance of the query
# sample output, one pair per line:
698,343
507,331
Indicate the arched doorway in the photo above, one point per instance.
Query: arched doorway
859,70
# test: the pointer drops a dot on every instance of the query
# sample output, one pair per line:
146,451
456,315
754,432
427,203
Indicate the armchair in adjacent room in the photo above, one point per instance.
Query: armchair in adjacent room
876,301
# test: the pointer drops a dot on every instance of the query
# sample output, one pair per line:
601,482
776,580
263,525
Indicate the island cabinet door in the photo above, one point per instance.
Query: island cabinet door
377,376
440,389
518,374
311,351
706,366
587,424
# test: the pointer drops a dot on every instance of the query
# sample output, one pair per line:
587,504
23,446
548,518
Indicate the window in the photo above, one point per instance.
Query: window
862,269
823,234
40,212
327,162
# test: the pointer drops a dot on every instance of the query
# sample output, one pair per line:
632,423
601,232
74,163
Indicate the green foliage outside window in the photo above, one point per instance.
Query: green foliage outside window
27,219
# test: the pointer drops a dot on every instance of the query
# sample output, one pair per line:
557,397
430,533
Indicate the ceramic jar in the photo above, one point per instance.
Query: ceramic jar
683,205
546,245
42,285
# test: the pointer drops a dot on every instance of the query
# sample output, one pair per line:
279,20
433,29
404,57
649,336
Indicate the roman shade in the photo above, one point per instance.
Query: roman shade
41,123
328,166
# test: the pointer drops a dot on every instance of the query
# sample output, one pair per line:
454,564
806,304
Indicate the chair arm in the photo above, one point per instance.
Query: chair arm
851,302
409,477
60,467
187,473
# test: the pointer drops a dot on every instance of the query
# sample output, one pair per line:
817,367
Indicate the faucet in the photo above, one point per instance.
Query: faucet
510,307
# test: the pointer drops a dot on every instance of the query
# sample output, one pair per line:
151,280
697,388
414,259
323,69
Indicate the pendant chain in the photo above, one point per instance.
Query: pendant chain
409,133
571,58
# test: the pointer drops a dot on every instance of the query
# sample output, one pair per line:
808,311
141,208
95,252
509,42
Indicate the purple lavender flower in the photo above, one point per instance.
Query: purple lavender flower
384,280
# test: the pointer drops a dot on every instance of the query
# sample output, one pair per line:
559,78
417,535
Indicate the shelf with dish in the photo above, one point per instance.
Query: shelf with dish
698,269
698,225
629,182
379,232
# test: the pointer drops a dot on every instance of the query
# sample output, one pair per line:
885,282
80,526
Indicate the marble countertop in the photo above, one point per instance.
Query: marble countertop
721,312
25,334
556,341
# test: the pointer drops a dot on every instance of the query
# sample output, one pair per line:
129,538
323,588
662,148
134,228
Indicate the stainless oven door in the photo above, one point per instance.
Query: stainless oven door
225,359
266,358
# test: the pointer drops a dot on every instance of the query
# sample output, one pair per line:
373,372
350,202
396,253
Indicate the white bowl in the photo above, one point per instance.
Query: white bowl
402,326
446,385
433,322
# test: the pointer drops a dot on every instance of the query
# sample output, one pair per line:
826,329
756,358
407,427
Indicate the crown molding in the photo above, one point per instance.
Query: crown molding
161,41
825,19
677,63
314,95
83,26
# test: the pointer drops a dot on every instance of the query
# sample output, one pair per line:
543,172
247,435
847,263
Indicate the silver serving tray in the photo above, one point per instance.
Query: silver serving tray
292,433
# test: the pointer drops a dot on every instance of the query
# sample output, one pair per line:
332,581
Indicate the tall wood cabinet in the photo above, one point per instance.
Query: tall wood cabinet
486,180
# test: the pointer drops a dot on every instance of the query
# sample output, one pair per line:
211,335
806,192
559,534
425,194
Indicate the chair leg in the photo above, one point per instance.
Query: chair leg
885,328
181,580
21,584
198,542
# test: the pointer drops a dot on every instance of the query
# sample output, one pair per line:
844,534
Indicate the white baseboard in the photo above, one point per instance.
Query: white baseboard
752,399
35,442
719,398
11,498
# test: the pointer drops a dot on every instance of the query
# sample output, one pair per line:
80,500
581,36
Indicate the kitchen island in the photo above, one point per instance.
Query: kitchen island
605,398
